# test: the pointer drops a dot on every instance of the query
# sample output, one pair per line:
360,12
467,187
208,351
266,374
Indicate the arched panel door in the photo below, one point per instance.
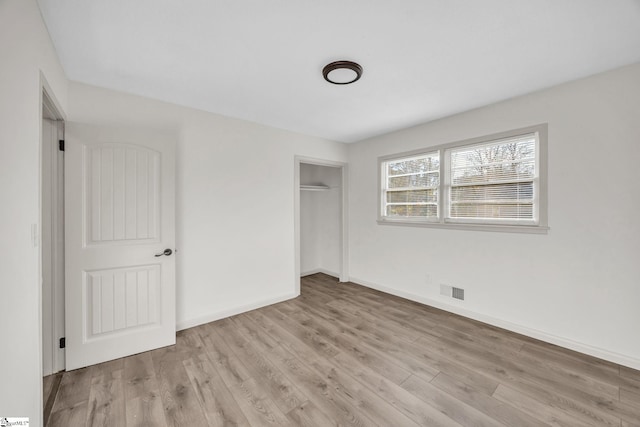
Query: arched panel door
119,243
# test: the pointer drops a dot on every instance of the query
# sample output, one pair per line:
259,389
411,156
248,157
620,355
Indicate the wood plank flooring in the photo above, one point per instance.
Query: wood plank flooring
345,355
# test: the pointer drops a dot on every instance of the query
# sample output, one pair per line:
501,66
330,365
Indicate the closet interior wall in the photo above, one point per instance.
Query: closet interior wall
320,220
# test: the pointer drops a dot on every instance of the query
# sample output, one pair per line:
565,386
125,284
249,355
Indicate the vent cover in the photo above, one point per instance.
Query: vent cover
457,293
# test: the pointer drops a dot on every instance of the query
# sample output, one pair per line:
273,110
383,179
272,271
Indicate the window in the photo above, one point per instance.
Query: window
411,187
496,182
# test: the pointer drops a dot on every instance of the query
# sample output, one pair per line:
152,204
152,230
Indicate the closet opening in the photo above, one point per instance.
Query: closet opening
321,219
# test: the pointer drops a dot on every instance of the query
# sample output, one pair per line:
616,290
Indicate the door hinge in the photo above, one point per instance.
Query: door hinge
63,342
61,144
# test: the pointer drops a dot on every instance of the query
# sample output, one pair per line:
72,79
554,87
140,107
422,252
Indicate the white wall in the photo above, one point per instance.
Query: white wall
309,241
235,195
321,221
578,285
26,51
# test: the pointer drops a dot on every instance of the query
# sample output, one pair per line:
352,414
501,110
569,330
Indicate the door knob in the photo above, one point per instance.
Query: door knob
166,252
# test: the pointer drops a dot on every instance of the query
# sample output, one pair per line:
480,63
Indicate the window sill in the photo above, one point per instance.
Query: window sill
526,229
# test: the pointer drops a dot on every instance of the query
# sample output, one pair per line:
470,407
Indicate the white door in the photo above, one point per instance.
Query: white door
119,216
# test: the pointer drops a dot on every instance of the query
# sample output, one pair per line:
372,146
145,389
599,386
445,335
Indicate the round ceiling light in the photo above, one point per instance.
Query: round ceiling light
342,72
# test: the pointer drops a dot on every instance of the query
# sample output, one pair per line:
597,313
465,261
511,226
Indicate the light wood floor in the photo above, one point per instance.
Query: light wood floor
342,354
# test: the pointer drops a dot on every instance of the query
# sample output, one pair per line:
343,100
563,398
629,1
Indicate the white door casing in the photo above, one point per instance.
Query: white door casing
119,213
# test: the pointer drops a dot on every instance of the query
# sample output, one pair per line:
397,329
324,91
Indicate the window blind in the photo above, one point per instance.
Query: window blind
411,186
494,181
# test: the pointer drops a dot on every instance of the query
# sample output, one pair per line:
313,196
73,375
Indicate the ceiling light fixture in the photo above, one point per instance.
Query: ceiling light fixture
342,72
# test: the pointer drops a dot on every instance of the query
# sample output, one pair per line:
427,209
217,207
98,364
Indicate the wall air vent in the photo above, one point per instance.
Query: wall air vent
457,293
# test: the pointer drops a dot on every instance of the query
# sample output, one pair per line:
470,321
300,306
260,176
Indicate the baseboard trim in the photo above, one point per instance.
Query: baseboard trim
320,270
190,323
600,353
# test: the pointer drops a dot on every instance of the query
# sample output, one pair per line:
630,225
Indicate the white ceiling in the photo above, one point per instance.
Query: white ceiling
262,60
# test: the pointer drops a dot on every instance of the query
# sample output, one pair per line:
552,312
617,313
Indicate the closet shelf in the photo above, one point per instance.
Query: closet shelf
305,187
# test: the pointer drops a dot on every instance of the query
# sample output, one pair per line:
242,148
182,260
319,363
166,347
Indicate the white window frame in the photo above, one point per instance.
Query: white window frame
538,225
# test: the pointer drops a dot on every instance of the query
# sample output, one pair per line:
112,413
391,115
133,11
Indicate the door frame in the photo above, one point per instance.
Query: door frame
344,224
48,160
